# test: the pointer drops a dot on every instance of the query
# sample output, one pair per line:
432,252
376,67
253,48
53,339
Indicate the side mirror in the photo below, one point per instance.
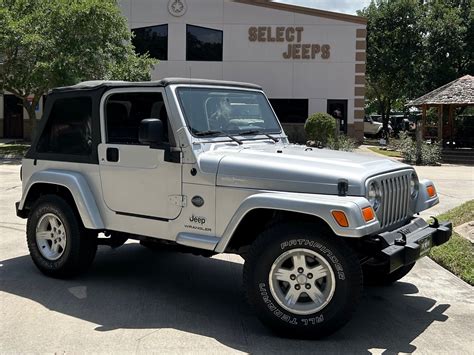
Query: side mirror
150,131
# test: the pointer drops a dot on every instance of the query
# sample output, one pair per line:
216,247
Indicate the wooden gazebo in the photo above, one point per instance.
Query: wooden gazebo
458,93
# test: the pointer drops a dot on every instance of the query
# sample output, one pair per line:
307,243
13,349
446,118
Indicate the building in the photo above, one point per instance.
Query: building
306,60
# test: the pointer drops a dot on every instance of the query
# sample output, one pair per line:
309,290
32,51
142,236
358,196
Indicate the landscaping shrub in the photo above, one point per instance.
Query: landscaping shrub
343,143
406,147
319,127
430,152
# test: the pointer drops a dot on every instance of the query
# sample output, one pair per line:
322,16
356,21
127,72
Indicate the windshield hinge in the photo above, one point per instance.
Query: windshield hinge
178,200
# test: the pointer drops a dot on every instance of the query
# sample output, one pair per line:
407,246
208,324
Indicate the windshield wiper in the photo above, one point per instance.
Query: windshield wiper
216,133
255,131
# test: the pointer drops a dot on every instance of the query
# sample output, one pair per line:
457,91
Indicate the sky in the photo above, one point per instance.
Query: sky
345,6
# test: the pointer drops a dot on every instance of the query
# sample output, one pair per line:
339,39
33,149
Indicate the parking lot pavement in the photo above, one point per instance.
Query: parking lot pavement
454,183
134,300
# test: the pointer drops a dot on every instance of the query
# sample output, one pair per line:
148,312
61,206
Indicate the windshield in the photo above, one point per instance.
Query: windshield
211,112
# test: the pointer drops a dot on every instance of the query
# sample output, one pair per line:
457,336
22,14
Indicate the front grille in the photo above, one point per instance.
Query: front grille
395,205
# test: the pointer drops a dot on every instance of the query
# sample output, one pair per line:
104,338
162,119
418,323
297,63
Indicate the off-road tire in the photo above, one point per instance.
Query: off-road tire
378,276
280,239
81,245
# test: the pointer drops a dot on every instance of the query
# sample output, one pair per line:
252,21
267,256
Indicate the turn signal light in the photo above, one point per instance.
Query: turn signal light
430,189
340,218
368,214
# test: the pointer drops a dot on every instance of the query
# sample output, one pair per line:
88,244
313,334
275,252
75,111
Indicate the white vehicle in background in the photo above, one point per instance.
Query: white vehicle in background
371,127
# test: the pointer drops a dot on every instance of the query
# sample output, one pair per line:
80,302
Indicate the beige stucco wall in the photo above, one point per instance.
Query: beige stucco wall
339,77
262,62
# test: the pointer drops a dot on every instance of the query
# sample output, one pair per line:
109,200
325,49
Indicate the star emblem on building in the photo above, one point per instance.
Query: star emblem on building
177,7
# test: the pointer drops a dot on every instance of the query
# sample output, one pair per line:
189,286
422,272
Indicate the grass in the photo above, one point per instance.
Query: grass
13,149
388,153
457,255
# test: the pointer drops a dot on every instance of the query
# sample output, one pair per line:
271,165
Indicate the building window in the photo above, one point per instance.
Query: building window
68,130
203,44
152,40
291,110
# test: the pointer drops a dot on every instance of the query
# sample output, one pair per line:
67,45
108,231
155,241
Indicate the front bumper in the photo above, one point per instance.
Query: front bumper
407,244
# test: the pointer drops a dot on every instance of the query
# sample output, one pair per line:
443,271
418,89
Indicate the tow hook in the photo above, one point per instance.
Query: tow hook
435,223
402,240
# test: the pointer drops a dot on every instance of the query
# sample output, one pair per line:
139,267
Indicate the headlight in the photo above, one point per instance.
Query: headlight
374,195
414,186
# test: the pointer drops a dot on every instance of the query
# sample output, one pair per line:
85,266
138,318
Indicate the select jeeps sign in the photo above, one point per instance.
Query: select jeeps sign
294,37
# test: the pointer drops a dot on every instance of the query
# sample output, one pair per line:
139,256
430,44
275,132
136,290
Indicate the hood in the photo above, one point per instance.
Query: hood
295,168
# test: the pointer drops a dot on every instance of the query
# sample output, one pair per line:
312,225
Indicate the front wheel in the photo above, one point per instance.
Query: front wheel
300,283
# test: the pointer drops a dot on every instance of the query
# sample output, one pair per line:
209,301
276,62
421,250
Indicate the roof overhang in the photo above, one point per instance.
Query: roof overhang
306,11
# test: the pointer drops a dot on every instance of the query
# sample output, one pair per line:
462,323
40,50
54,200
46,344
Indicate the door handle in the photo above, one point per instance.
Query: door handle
112,154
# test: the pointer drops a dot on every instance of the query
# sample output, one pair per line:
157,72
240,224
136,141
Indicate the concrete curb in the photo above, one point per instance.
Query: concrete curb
10,157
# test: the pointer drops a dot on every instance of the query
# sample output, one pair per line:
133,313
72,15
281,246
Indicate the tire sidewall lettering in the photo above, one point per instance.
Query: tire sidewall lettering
290,244
277,242
294,319
273,308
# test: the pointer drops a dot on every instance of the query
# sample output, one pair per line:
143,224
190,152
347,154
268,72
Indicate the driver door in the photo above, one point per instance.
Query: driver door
137,180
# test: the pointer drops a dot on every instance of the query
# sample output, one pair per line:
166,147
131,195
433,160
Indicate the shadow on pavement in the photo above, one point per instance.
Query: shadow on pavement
135,288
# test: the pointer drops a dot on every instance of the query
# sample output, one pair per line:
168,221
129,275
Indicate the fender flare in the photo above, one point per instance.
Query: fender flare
316,205
79,189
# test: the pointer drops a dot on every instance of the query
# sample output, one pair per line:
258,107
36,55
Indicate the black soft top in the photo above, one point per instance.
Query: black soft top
99,84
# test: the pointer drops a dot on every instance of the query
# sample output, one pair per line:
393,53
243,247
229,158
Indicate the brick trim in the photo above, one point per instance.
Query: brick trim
359,114
359,91
359,103
360,79
360,56
360,68
361,44
361,33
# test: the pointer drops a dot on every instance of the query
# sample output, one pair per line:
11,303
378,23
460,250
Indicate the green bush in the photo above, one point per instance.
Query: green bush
407,147
343,143
320,127
430,152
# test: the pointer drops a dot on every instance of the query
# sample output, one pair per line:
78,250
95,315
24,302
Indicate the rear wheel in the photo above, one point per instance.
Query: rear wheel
58,244
300,283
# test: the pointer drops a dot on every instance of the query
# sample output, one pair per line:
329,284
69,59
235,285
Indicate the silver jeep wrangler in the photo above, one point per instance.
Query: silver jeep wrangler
205,167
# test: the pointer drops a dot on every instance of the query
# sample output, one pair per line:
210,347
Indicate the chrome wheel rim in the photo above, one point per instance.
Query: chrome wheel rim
302,281
51,236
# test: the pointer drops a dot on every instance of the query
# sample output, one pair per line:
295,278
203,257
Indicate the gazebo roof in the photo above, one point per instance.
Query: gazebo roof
459,92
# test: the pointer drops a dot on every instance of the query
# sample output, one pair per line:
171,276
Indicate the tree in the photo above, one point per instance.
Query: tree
448,36
394,51
50,43
415,46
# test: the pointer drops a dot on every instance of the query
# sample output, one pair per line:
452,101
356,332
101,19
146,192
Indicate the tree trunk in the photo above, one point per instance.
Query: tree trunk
419,135
387,118
385,111
32,121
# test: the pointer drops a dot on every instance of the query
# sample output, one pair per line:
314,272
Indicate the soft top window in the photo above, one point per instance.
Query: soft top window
68,130
125,111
